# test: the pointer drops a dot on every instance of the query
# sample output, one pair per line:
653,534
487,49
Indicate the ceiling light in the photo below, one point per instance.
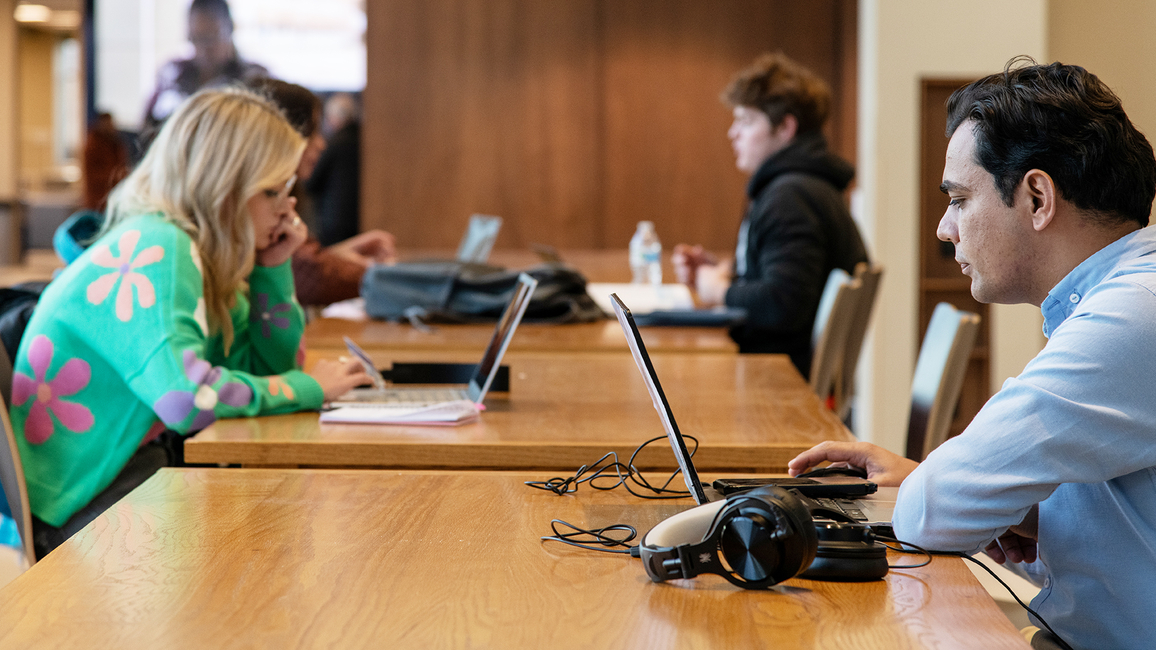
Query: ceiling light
32,14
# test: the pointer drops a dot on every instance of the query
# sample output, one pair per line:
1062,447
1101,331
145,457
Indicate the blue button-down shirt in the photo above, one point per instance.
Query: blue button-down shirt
1075,433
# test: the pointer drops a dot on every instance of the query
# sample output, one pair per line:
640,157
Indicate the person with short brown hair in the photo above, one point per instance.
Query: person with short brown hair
797,227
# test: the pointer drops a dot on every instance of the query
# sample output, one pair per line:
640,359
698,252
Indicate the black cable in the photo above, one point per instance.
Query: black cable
592,540
617,473
976,562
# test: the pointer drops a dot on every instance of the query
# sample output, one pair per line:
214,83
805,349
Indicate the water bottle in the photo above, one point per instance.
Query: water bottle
646,254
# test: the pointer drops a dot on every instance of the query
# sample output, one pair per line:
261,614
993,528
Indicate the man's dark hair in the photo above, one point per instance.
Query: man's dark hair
300,106
219,9
778,86
1060,119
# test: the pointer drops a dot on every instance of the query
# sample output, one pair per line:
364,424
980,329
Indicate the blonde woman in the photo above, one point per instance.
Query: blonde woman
180,313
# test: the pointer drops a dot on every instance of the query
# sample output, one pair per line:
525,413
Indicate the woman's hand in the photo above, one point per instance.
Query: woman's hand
288,236
339,377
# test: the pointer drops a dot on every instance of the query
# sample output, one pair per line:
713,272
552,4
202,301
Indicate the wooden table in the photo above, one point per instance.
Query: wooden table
750,412
600,336
338,559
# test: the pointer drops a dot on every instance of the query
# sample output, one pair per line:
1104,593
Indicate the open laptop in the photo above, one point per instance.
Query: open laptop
874,510
479,238
411,397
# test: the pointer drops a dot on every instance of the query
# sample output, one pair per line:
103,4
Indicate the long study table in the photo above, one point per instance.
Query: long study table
344,559
563,410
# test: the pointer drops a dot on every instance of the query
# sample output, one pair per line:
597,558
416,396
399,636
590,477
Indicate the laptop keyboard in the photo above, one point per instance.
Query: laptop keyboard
409,397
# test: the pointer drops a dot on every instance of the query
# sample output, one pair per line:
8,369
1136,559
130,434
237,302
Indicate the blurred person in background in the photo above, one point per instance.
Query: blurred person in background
336,181
215,63
105,161
797,227
323,274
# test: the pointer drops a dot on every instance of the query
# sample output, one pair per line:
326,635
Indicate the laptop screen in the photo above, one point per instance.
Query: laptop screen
479,238
488,368
638,349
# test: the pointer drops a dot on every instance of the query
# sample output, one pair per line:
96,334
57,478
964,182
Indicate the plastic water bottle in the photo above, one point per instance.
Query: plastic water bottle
646,254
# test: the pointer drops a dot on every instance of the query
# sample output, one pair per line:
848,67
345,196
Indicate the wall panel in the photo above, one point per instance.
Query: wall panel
573,119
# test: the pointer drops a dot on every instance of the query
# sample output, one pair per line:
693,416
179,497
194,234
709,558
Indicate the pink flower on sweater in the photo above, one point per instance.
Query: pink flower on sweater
125,267
70,379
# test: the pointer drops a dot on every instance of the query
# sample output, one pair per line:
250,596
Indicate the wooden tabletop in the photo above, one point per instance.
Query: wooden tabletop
750,412
604,335
339,559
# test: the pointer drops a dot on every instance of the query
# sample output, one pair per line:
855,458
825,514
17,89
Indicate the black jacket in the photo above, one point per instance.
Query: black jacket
336,186
798,231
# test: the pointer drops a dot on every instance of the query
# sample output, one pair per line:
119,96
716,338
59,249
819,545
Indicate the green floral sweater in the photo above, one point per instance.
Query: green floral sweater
118,350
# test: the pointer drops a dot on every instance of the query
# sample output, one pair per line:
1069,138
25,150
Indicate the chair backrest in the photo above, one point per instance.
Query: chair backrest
5,376
12,480
939,374
829,337
869,276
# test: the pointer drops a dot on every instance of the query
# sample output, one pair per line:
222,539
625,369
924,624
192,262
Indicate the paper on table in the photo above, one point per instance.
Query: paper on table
642,298
443,414
352,309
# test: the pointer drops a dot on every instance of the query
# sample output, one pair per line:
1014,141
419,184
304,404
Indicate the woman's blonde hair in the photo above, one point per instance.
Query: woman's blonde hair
217,150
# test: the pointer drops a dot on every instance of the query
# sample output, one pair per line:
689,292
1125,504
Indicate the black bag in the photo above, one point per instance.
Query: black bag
16,305
463,293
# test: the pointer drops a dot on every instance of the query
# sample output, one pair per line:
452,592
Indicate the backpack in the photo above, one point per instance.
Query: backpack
462,292
16,305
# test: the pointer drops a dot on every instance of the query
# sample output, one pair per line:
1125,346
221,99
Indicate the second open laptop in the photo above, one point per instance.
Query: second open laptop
874,510
479,238
409,397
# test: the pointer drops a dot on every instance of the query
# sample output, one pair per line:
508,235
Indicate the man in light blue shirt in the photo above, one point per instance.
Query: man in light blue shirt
1051,186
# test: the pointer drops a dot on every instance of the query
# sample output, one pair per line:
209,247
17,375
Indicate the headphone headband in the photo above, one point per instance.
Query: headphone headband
754,539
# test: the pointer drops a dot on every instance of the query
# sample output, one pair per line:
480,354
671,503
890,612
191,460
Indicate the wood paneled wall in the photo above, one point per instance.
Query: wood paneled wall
574,119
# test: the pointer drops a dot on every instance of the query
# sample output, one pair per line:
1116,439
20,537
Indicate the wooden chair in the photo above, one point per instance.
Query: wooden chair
837,309
939,373
5,376
869,276
12,479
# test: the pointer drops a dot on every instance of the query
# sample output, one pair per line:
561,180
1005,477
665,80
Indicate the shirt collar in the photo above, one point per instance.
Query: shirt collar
1063,299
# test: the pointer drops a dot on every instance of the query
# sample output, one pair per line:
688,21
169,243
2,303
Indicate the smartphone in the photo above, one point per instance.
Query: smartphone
829,487
367,363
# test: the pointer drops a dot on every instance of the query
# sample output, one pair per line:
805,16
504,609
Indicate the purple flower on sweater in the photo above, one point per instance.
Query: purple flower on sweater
174,406
266,315
70,379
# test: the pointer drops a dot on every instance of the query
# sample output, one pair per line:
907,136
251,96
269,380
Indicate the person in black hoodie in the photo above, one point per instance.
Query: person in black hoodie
797,227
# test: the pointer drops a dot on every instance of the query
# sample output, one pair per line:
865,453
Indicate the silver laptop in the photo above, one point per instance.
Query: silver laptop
479,239
874,510
412,397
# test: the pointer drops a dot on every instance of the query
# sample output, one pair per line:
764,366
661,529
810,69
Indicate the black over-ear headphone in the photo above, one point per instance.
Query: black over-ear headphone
759,538
754,539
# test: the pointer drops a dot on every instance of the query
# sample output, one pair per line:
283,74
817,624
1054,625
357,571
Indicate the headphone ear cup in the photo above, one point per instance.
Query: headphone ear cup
747,545
767,537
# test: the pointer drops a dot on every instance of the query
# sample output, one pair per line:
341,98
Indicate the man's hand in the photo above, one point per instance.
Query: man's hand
1018,544
686,260
290,233
370,247
883,467
339,377
712,283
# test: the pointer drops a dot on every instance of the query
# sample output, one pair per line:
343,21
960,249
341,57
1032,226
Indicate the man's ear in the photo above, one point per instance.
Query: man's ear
786,129
1041,194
